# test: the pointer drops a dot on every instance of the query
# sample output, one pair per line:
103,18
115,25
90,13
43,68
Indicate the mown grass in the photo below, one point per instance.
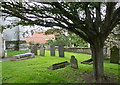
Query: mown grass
11,53
35,70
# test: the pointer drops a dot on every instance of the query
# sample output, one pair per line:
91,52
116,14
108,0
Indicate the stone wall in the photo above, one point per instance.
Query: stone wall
85,50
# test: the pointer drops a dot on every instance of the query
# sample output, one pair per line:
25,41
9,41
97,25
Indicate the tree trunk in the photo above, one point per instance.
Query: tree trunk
97,55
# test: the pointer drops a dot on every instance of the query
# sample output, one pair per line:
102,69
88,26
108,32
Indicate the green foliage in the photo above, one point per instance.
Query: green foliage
31,43
53,31
37,44
70,39
114,37
76,40
35,70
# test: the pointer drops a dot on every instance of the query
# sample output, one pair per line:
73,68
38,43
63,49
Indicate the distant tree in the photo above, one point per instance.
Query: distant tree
66,38
113,38
76,41
91,21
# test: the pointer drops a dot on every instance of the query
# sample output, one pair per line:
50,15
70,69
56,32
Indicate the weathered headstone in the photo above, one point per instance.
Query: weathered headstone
114,56
34,49
58,65
52,50
74,62
61,51
42,50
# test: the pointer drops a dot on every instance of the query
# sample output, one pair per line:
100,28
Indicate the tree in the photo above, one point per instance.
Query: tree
59,40
66,38
76,41
91,21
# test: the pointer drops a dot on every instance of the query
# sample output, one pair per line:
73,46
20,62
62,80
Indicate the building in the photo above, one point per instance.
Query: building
2,46
39,37
13,34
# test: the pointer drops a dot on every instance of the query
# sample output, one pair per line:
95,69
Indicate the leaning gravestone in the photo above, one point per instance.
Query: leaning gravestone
42,50
114,56
34,49
74,62
52,50
61,50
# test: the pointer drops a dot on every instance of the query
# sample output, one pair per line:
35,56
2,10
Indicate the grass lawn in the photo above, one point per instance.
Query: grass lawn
11,53
35,70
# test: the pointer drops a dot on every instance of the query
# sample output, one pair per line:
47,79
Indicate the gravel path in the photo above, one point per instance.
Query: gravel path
5,59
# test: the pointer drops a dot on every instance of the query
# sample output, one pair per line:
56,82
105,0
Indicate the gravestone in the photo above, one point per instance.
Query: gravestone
42,50
114,55
52,50
58,65
30,55
34,49
74,62
89,61
61,50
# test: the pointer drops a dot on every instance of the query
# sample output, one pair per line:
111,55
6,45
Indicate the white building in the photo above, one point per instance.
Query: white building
14,33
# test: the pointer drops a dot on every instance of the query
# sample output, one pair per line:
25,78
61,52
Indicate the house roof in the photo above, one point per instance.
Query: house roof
39,37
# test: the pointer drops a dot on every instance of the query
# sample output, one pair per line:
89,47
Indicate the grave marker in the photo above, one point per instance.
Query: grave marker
52,50
58,65
114,55
74,62
42,50
34,49
61,51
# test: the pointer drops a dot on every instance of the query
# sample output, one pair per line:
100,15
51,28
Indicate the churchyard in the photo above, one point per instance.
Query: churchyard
35,70
64,42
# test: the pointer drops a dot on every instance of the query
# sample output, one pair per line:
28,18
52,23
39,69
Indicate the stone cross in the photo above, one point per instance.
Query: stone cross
114,56
34,49
74,62
42,50
52,50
